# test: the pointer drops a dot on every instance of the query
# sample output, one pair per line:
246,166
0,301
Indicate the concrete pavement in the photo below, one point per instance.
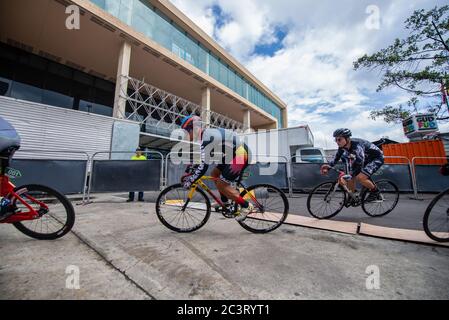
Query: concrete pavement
123,251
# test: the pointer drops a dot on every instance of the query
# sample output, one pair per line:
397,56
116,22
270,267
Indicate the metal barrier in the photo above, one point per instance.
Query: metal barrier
312,177
439,182
56,185
92,176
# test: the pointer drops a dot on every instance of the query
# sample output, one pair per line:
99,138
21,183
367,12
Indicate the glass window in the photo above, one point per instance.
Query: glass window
113,7
223,77
100,3
125,12
27,75
26,92
5,87
105,98
6,69
58,84
104,85
57,99
202,59
60,70
83,78
214,67
96,108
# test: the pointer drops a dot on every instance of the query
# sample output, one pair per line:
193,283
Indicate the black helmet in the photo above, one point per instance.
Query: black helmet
342,132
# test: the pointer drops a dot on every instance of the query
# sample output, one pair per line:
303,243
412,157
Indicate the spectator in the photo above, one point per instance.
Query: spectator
139,156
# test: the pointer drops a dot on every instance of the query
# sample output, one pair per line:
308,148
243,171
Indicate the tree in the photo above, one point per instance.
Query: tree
418,64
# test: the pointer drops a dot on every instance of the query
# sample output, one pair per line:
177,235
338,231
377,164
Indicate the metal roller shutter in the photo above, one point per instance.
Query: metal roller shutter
44,127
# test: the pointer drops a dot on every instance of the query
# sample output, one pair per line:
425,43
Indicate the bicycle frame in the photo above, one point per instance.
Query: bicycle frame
204,187
7,190
345,187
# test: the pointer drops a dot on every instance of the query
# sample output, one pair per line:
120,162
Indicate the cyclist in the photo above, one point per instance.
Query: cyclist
362,159
9,143
234,161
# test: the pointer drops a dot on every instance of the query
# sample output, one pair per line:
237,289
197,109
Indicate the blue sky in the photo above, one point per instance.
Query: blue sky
304,51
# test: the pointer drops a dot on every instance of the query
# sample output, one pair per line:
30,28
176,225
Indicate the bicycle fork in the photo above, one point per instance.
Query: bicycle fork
189,197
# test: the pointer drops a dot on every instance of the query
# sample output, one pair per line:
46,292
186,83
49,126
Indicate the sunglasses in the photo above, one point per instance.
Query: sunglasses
339,139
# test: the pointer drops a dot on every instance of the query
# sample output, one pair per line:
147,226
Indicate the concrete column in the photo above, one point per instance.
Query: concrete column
121,85
285,117
247,121
205,104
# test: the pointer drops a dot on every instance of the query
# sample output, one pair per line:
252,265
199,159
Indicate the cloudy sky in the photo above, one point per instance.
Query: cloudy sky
304,50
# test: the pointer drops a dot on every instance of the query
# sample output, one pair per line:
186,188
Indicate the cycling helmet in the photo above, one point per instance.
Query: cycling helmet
342,132
187,122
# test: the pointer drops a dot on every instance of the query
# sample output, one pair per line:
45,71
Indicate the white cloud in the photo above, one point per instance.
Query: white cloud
314,73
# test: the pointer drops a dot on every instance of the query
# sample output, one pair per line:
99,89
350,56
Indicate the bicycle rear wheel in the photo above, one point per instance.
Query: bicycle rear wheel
170,204
326,200
274,210
436,218
54,222
389,197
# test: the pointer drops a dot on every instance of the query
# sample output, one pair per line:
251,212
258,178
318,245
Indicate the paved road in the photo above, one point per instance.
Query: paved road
408,214
125,252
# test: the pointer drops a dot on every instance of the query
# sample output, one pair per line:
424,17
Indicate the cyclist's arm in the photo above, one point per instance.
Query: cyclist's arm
200,169
337,157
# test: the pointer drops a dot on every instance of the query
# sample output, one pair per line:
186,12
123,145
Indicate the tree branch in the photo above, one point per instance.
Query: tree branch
439,35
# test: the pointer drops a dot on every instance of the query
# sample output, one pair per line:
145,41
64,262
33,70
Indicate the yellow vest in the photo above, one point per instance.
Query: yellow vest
142,157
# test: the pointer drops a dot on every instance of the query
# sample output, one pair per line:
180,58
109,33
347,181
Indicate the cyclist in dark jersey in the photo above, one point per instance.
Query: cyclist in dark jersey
234,160
362,159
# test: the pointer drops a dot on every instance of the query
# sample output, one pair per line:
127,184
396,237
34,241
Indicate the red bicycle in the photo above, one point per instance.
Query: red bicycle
38,211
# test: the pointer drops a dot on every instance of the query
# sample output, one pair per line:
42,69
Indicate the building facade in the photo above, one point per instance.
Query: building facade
137,60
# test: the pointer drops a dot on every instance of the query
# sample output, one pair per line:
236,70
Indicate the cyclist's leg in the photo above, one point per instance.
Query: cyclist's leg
216,172
228,174
351,185
364,177
224,182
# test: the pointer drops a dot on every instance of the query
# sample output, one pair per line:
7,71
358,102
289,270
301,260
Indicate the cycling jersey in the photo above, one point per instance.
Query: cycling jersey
363,156
234,155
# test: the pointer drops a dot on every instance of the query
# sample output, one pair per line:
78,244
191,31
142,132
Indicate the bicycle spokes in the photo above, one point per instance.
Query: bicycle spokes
270,208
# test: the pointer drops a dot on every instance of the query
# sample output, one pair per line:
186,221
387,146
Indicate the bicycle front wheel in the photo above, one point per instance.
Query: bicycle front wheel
178,213
436,218
387,201
270,208
57,215
326,200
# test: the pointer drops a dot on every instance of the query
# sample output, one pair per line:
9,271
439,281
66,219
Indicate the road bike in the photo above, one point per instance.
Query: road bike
328,198
185,211
436,218
37,211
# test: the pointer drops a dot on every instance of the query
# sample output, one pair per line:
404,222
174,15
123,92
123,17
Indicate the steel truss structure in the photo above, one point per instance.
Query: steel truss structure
151,106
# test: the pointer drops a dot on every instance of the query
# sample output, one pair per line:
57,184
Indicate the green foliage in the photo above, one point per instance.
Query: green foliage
417,64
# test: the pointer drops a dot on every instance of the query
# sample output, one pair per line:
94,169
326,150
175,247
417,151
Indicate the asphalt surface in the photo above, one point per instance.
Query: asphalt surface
122,251
408,213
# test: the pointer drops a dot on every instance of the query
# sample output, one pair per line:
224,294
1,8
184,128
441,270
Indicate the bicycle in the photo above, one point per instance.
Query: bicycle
31,206
436,216
333,197
192,208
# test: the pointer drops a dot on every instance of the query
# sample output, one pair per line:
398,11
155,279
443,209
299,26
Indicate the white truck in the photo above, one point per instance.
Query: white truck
294,144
